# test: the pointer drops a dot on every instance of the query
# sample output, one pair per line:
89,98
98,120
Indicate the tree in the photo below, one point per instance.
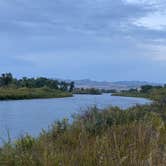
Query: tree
71,86
146,88
63,86
6,79
133,90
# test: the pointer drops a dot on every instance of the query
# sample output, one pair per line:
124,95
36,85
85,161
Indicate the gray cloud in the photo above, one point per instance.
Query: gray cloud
116,33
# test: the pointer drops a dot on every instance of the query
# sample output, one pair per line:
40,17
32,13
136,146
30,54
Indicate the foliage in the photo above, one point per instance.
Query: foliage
108,90
156,93
31,93
29,88
7,80
92,91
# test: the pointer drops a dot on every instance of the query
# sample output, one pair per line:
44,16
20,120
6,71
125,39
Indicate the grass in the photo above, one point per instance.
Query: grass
31,93
109,137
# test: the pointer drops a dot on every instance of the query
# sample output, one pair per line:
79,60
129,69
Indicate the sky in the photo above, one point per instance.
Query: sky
110,40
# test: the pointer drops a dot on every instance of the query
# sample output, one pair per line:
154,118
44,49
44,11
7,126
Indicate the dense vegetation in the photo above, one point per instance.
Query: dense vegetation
134,137
146,91
7,80
92,91
109,90
31,93
28,88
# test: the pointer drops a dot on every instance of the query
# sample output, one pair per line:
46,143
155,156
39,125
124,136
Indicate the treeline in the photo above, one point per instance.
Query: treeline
93,91
7,80
147,91
144,88
109,90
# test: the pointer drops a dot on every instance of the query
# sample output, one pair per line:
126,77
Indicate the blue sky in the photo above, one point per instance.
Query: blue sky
98,39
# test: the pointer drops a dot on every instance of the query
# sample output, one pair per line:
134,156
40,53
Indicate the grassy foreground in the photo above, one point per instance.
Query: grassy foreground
31,93
111,137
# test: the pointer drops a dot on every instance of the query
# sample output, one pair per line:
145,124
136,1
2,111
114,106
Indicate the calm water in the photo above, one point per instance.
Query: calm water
22,116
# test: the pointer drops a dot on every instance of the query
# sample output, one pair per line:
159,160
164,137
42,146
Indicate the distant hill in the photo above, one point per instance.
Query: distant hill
120,85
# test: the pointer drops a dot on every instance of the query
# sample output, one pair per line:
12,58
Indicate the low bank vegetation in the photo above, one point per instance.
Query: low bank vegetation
31,93
29,88
146,91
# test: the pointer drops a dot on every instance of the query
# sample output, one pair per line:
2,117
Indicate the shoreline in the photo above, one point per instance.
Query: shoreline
12,94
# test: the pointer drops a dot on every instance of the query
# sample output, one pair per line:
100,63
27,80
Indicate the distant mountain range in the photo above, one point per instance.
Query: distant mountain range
120,85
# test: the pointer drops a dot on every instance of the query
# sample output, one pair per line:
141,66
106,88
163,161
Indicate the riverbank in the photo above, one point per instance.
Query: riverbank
31,93
136,136
90,91
134,94
152,92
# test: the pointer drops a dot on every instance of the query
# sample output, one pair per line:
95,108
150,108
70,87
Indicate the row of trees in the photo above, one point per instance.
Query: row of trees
7,79
147,88
144,89
87,91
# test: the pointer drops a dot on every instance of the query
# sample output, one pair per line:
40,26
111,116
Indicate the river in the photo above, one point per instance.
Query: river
31,116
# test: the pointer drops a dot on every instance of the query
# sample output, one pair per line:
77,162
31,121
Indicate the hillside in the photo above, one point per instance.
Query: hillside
120,85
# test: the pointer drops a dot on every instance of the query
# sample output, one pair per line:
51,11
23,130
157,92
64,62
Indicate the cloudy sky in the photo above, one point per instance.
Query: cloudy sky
99,39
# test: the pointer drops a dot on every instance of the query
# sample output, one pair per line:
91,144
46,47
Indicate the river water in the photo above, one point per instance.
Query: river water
31,116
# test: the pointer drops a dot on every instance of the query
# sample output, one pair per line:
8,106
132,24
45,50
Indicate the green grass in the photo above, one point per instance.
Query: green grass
31,93
111,137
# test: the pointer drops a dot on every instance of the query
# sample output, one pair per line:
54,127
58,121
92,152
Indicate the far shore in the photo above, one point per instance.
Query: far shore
31,93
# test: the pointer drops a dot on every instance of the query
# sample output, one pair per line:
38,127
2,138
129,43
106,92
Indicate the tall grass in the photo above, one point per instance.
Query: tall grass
31,93
110,137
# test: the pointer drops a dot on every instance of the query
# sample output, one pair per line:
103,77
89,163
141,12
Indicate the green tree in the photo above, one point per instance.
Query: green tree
146,88
71,86
6,79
